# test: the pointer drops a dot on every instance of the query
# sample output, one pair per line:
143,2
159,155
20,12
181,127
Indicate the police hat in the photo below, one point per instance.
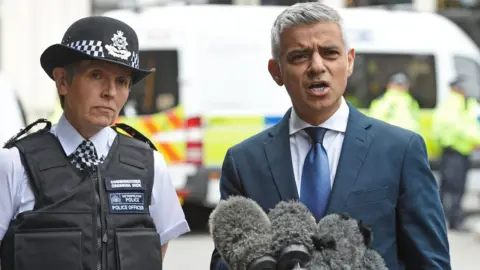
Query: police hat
96,38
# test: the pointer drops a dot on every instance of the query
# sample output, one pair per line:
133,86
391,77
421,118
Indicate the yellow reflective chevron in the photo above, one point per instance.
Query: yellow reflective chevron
161,124
222,132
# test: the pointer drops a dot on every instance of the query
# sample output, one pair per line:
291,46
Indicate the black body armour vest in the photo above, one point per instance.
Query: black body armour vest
61,232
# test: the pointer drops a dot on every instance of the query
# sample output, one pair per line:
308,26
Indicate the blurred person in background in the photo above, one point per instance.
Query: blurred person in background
88,196
396,106
333,158
456,129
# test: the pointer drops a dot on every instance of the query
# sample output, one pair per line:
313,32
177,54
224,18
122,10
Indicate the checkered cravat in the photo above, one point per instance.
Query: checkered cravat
85,156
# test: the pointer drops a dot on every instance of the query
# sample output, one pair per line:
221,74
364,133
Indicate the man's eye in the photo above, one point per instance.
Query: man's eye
299,57
331,53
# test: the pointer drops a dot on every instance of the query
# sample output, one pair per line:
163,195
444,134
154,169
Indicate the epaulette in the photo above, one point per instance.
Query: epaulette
133,133
23,131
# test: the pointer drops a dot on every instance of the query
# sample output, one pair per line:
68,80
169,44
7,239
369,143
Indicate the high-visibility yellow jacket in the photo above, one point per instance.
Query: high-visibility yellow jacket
455,124
396,107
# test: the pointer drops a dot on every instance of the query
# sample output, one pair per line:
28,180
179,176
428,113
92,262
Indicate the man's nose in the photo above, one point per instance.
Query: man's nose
317,65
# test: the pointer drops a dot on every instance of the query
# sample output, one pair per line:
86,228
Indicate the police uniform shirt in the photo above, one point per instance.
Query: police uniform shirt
17,197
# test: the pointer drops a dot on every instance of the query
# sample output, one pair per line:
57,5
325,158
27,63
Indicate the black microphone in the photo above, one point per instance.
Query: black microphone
293,227
342,242
242,234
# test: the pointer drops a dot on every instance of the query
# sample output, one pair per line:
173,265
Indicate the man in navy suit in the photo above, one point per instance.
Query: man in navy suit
327,154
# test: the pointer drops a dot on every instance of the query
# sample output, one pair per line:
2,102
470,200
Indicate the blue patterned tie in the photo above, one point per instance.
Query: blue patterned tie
315,185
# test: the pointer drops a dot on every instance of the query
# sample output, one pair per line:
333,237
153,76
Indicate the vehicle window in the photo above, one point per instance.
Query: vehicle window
470,70
159,91
372,71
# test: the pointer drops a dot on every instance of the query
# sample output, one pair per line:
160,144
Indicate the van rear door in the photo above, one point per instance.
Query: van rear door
152,106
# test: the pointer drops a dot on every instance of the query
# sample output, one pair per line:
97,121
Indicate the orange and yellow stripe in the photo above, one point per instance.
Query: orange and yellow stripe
151,125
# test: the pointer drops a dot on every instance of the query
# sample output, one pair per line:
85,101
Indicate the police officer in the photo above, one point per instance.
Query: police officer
79,195
397,106
456,129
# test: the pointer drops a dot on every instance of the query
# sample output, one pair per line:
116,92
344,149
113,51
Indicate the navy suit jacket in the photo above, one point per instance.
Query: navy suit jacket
383,178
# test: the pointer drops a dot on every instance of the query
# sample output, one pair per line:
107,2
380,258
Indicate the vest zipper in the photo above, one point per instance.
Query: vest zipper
101,192
96,182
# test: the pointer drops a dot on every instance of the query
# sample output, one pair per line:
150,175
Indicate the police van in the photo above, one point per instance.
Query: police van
212,89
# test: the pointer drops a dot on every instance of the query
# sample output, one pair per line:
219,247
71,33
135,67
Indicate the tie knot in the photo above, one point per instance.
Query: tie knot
316,133
85,156
86,149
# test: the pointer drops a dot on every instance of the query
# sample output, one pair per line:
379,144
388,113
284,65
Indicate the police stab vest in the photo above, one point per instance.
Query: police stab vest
61,232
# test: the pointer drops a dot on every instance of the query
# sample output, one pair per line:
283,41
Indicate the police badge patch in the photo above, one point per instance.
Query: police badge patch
126,196
119,46
127,203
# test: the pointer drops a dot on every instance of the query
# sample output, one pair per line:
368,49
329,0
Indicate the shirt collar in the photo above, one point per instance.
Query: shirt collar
70,138
337,122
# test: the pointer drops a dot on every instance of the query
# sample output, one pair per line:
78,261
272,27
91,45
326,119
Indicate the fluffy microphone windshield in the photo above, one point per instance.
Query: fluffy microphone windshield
293,227
343,243
241,231
292,224
349,240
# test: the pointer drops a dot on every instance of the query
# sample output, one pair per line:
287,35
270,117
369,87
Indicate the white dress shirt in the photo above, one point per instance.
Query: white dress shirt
300,142
16,195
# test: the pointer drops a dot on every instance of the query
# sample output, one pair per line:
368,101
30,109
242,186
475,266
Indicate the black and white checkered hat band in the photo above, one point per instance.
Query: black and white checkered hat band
90,47
94,48
135,60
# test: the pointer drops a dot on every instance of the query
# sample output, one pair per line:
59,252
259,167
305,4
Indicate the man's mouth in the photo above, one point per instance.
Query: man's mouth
318,87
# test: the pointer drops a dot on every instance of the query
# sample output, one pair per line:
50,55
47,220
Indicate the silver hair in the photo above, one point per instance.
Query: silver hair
304,14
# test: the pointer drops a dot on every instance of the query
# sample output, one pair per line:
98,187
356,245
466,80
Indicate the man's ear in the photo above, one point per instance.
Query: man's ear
60,77
351,61
274,69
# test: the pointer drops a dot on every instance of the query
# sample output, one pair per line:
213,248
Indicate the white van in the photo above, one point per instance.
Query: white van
11,110
212,76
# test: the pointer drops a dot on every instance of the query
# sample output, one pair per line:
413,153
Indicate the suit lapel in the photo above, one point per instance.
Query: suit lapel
354,150
277,150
